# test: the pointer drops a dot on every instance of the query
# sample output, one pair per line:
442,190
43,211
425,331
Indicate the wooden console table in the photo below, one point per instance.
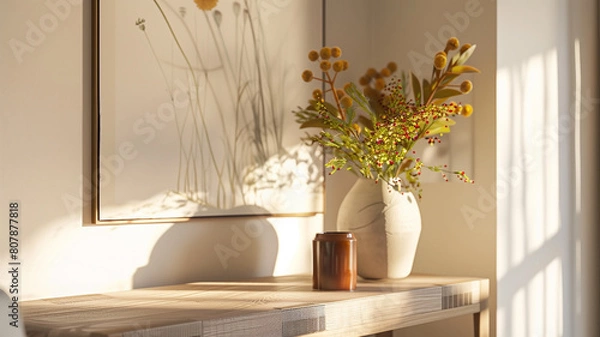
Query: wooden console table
277,306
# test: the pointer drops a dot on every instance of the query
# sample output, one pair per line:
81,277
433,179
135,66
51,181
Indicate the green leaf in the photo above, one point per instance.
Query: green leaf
464,69
448,78
445,93
465,55
426,90
358,97
314,123
367,123
331,144
453,60
405,86
440,126
333,111
377,108
416,87
350,114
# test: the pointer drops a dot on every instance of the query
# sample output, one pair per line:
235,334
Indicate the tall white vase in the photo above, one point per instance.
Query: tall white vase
387,226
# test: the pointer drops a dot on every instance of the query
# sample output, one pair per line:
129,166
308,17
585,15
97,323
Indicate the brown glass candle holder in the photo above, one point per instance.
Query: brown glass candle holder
334,261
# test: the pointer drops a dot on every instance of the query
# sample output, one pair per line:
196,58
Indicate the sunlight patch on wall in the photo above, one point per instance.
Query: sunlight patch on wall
530,251
529,115
554,298
550,151
295,237
87,260
535,309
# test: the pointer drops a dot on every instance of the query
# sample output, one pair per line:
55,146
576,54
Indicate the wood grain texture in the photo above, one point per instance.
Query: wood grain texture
276,306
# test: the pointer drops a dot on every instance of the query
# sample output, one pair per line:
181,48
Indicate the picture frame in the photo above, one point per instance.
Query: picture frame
192,110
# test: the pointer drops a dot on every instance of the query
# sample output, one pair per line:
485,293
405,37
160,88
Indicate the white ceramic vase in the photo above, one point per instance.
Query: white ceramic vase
387,226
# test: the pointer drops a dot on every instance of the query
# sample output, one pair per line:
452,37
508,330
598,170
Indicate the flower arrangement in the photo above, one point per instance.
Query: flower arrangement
372,131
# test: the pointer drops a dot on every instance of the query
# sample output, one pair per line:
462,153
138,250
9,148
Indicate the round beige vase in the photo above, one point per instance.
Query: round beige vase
387,226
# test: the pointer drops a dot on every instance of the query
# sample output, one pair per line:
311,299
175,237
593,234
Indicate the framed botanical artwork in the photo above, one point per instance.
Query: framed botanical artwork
193,104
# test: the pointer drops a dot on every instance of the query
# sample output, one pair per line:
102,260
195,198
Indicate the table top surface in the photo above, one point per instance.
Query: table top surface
272,306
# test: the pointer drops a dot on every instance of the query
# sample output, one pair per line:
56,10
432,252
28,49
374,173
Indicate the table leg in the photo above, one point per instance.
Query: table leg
481,324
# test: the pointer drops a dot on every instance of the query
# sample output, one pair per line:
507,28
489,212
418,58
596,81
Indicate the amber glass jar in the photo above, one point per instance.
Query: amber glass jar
334,261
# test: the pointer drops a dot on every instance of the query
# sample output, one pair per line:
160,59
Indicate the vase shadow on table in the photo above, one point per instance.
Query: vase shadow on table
215,249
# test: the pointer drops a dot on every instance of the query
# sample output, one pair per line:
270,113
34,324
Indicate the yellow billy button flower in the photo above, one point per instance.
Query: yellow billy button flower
467,110
313,55
385,72
325,65
465,47
371,73
346,101
340,93
380,84
336,52
346,64
317,94
338,66
364,81
307,75
392,66
347,86
439,61
206,5
325,53
452,44
356,127
466,86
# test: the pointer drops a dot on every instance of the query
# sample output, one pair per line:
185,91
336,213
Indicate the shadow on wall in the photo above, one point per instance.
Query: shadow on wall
214,250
